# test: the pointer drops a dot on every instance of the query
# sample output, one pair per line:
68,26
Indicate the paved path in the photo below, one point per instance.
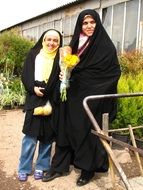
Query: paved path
11,122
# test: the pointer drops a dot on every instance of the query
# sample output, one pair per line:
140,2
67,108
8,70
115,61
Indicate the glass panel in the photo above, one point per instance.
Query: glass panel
73,22
31,33
131,25
141,29
57,25
141,37
45,26
40,30
106,15
66,40
141,10
117,30
66,26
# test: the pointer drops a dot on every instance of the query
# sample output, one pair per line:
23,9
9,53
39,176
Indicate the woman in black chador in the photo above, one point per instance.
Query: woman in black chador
97,73
40,76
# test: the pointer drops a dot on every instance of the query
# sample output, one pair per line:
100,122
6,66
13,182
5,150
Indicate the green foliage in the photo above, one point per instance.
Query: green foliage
12,92
13,50
131,62
130,109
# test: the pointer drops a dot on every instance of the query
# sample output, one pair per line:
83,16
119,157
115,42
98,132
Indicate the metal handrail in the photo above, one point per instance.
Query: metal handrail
94,97
100,133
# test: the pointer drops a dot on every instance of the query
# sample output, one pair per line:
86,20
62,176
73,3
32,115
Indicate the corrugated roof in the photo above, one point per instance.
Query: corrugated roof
66,3
61,5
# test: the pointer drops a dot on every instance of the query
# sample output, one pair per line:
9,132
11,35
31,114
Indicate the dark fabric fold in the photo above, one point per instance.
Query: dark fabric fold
97,73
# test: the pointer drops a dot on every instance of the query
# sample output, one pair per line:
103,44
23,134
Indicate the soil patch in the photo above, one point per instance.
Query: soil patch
11,122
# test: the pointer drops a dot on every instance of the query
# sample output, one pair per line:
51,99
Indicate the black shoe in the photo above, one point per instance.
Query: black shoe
52,175
84,178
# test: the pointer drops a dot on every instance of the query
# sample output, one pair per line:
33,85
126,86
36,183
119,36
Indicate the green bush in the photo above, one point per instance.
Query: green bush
130,109
12,92
13,50
131,62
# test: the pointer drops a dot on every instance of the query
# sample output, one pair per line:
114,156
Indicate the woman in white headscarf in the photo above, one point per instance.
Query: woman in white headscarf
39,77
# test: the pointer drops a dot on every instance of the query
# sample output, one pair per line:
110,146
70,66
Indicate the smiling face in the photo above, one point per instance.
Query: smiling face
51,42
88,25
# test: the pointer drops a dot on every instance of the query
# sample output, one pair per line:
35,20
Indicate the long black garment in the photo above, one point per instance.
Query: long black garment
97,73
39,126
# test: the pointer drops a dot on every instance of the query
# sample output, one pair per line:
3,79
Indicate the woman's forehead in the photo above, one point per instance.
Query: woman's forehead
52,34
88,16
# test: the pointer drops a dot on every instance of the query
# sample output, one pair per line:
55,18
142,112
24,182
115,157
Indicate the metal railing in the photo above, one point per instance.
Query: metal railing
103,137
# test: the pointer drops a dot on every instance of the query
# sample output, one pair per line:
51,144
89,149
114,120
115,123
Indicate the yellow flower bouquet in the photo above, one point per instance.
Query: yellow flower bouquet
67,62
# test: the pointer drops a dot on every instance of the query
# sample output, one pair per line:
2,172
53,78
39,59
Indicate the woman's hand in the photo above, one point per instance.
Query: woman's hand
61,75
64,51
38,92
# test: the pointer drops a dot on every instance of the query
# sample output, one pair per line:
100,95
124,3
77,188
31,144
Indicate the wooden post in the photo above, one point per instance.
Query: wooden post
107,147
136,153
117,165
105,127
105,123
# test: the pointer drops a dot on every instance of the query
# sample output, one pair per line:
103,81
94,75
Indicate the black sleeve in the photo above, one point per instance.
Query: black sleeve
28,73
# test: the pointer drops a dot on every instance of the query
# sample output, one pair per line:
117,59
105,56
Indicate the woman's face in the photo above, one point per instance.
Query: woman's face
88,25
52,42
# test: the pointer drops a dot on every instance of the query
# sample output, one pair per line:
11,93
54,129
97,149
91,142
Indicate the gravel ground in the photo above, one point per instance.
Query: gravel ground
11,122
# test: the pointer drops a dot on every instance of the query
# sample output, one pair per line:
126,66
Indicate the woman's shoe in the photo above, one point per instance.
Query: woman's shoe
22,177
85,178
50,176
38,174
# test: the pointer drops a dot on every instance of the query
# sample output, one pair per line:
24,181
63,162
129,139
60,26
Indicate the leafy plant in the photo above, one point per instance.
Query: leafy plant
13,50
12,93
131,62
130,109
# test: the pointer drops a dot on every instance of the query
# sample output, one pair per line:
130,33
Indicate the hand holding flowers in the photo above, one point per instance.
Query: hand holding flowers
67,62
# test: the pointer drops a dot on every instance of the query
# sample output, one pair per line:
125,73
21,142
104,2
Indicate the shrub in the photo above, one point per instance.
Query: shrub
130,109
13,49
131,62
12,92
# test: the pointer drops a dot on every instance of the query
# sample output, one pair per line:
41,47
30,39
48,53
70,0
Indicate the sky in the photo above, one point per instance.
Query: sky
15,11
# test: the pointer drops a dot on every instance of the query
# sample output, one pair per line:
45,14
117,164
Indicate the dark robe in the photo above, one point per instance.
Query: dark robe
39,126
97,73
